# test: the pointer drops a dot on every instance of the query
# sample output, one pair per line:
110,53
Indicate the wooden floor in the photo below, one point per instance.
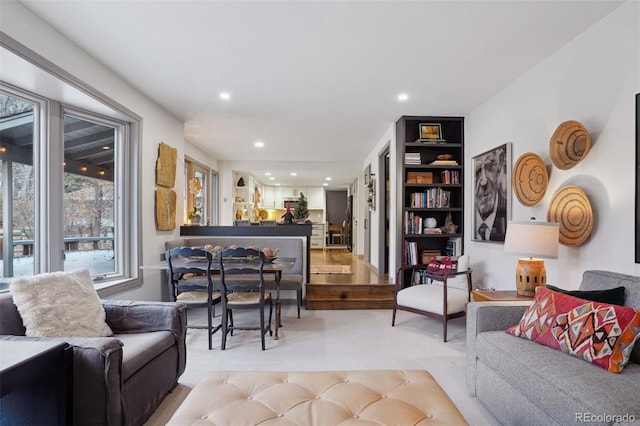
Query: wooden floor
363,273
362,289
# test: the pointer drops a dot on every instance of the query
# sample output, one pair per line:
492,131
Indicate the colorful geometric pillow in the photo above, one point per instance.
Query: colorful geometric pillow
599,333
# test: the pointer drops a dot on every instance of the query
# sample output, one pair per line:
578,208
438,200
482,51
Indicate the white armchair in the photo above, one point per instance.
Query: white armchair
444,297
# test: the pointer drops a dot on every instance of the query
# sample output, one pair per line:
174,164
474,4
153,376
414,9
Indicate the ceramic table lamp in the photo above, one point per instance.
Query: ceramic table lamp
535,240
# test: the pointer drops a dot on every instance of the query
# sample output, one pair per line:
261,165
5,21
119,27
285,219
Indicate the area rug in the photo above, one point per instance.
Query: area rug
331,269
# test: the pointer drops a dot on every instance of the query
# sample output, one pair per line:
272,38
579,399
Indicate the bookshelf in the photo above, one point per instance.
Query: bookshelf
432,182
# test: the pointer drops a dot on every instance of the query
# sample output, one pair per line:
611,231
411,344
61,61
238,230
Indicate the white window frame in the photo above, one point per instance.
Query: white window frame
49,159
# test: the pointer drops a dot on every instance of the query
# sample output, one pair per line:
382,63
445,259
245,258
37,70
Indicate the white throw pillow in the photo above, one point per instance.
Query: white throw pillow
60,304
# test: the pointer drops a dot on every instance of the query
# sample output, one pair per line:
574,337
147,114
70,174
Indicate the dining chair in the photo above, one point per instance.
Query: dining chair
188,285
243,288
443,296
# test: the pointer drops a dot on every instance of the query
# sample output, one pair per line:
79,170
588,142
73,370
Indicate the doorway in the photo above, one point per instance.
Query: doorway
384,211
336,220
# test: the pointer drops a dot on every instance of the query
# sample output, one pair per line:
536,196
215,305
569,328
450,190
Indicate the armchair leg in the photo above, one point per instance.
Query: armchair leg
393,317
444,329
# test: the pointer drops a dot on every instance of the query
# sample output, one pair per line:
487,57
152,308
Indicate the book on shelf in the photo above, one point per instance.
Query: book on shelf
432,141
454,247
410,253
450,177
444,163
412,158
432,231
432,198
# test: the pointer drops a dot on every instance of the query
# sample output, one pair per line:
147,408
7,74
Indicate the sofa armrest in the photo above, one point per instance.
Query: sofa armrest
488,316
97,377
126,317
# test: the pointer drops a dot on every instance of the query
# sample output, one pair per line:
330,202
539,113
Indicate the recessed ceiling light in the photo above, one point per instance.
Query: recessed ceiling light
325,184
272,178
106,148
294,174
277,184
403,97
258,144
267,173
327,178
225,95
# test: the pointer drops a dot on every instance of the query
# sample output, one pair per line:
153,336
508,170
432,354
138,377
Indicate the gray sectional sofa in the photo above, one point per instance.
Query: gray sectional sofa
119,380
292,280
525,383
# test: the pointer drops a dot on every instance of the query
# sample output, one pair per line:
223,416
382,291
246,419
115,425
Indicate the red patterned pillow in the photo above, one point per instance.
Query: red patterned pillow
600,333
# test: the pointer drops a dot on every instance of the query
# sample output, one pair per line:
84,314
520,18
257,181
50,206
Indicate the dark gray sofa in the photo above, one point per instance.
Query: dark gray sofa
287,247
524,383
119,380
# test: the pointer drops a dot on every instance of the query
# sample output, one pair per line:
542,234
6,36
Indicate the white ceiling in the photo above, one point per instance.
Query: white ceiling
316,81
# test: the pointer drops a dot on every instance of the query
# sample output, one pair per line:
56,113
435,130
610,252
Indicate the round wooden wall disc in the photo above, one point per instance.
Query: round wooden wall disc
571,209
530,179
569,144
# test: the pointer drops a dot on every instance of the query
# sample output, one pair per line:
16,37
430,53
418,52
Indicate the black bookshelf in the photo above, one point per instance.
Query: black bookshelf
432,183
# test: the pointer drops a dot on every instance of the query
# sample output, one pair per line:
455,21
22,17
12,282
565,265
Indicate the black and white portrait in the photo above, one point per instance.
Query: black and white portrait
492,194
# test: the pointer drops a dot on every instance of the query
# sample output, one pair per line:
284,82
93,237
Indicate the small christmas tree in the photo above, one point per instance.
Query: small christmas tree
301,211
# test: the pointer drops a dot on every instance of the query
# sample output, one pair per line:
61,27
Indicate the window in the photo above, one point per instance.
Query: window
68,191
89,194
17,130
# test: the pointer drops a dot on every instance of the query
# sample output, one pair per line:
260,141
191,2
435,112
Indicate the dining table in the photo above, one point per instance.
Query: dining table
275,266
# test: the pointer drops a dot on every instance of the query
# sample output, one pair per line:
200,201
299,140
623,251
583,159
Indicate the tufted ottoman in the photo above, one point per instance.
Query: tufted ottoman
382,397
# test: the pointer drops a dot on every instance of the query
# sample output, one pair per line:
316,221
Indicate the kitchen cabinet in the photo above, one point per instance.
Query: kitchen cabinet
278,198
317,236
315,197
293,192
268,200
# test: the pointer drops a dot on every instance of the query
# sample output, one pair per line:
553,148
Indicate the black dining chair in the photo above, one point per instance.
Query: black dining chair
242,286
192,285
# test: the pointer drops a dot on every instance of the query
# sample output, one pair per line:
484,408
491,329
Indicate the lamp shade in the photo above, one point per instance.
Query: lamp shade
532,239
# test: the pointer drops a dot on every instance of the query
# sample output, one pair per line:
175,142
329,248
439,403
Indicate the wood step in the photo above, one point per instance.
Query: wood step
349,296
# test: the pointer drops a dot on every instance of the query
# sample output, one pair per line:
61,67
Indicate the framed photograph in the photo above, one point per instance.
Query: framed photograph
430,131
491,194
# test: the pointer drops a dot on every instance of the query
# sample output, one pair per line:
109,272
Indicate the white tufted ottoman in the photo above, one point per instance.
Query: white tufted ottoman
382,397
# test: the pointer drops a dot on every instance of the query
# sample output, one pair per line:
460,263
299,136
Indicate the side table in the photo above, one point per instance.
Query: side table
499,296
35,382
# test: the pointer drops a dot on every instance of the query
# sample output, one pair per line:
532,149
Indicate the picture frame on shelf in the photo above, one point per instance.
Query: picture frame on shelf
491,194
430,132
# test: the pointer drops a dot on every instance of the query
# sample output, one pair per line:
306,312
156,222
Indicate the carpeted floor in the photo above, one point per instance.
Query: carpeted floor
337,340
331,269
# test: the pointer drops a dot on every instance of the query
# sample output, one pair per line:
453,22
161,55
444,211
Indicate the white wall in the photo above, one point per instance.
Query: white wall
389,138
593,80
157,126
